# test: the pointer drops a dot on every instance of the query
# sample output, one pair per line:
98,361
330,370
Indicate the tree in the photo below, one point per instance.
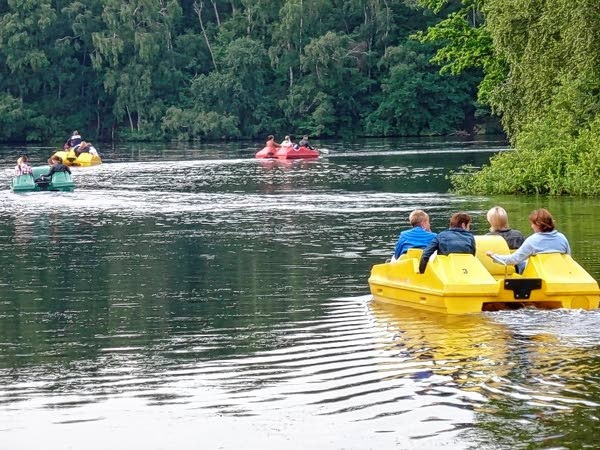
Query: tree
136,41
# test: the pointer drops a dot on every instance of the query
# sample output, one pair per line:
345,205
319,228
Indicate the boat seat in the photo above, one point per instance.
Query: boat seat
412,253
496,244
23,183
61,180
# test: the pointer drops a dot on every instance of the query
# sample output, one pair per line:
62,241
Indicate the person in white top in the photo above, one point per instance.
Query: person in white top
287,142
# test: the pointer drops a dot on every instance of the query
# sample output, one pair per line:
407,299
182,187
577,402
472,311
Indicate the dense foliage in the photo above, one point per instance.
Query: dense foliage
198,69
548,95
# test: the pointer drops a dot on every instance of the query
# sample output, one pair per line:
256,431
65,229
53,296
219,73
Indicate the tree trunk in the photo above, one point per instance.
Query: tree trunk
98,117
469,120
198,9
130,119
214,3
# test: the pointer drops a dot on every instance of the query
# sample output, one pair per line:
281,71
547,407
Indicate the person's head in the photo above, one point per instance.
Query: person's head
22,159
270,137
460,220
83,145
287,138
305,138
419,218
75,132
56,160
497,218
541,220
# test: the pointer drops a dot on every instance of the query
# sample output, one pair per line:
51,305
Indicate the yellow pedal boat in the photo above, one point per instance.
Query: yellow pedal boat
460,283
84,159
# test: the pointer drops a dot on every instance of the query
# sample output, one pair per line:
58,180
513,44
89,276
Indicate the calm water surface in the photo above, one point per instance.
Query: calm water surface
193,297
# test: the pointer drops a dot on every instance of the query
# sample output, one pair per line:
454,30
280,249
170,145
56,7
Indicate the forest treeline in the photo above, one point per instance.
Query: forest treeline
221,69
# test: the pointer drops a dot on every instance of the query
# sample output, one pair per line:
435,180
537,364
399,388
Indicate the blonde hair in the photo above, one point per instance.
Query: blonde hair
417,217
497,218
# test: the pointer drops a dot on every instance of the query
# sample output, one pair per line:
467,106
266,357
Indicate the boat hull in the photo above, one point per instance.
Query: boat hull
299,153
287,153
85,159
461,283
266,152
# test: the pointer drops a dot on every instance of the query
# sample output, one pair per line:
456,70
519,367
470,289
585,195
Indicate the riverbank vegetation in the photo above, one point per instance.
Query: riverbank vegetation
542,77
220,69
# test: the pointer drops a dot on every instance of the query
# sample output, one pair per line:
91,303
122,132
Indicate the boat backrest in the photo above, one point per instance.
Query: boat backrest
412,253
23,183
40,170
62,180
496,244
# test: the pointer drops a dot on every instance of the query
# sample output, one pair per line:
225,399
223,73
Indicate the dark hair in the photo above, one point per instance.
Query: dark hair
56,158
458,219
543,219
24,158
269,137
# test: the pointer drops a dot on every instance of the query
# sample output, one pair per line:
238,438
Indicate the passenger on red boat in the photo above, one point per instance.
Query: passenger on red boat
303,143
271,142
287,142
271,145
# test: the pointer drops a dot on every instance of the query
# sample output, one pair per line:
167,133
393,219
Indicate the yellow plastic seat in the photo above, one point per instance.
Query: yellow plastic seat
496,244
412,253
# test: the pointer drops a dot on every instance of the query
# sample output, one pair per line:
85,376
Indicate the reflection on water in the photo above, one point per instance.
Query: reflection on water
199,295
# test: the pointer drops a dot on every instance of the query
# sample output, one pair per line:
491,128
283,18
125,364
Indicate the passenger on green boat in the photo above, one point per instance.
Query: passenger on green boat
56,165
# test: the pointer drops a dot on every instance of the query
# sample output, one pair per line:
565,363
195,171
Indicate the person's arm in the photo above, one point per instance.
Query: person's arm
522,253
399,245
67,169
429,250
50,172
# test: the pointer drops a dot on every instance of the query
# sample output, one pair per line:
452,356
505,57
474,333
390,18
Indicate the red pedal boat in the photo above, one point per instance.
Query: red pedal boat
287,152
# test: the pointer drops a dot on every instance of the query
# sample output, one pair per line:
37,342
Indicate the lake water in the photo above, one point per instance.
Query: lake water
194,297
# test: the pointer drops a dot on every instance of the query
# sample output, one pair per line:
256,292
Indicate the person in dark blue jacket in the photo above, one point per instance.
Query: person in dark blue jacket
456,239
419,236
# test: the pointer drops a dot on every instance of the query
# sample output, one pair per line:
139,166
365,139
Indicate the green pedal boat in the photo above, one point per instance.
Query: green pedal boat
60,181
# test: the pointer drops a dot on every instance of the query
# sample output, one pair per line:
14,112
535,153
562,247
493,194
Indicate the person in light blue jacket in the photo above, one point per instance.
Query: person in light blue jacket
419,236
544,240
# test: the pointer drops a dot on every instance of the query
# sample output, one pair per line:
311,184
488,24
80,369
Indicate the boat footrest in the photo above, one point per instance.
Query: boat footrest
522,287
